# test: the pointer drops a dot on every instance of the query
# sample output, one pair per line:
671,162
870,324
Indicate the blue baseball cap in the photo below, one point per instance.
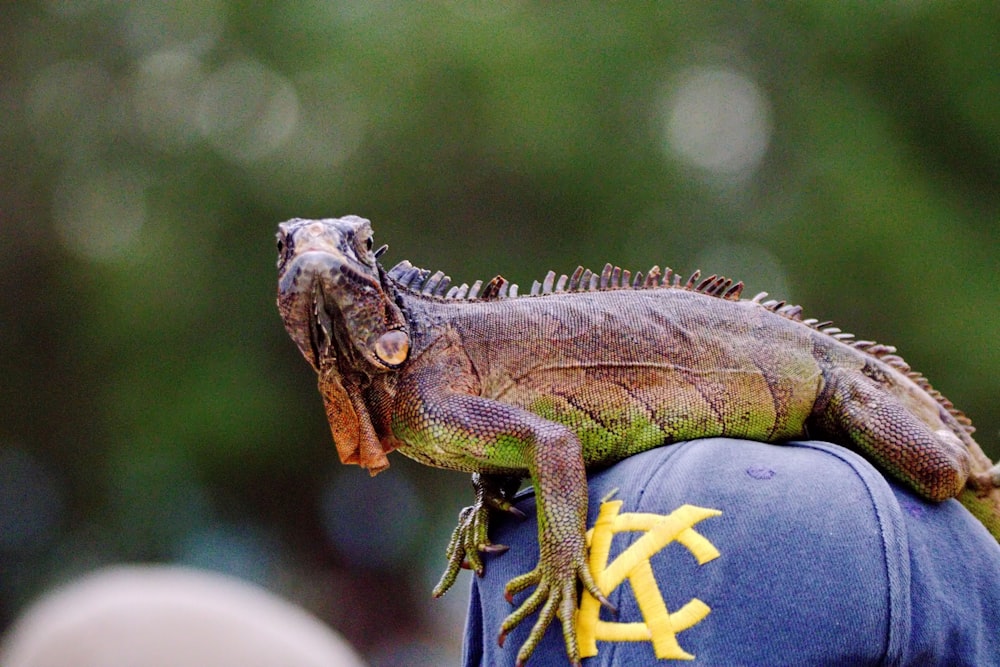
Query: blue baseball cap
731,552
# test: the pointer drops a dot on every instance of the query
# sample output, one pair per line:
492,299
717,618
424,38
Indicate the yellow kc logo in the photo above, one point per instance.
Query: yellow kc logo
659,625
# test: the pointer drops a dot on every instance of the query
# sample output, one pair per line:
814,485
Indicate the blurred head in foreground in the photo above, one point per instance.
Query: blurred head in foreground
160,616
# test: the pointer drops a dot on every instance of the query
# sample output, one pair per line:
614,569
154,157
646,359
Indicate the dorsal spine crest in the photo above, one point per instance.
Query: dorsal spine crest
438,285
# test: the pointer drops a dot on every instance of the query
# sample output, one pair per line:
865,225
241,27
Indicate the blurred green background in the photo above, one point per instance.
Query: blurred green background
845,156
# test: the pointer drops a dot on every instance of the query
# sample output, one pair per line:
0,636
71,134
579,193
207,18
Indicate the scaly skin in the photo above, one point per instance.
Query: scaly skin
584,374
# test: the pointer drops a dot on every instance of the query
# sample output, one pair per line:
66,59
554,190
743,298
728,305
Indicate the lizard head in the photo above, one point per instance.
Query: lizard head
333,299
338,306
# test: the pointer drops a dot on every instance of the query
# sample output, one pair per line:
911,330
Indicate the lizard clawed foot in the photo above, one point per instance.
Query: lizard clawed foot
555,594
470,538
467,541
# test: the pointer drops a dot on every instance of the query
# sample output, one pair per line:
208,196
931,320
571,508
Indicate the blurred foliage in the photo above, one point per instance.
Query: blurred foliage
842,155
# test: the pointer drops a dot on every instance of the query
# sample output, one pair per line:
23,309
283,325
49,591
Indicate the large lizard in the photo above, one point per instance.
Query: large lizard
587,370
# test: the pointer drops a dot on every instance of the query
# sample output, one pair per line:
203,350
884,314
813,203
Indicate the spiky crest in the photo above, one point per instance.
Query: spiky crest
437,285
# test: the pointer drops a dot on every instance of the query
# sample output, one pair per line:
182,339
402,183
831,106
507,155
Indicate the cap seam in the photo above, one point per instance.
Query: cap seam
895,546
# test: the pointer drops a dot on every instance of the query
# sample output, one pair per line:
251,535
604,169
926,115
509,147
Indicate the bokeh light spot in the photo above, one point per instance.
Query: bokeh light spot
247,111
165,93
156,24
332,122
718,120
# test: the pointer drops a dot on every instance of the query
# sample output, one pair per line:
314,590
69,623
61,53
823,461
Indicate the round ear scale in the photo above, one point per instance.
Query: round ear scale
392,347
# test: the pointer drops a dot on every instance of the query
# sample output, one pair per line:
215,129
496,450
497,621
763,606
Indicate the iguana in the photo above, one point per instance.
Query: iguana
587,370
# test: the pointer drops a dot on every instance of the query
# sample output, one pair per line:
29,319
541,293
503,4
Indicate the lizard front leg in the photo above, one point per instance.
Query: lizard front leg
474,433
561,498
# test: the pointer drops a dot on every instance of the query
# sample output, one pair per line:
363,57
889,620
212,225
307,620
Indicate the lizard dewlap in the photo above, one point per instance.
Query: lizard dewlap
586,370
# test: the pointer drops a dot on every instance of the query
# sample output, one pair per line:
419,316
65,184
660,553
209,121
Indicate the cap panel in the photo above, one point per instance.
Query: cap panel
793,521
955,585
795,554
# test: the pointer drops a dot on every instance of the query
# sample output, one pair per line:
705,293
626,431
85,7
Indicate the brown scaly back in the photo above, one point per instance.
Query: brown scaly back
438,286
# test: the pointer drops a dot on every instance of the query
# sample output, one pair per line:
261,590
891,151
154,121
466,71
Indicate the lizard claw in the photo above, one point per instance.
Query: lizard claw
494,548
516,512
497,493
486,549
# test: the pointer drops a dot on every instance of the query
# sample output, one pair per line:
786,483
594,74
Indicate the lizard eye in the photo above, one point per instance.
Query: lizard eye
284,244
363,245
